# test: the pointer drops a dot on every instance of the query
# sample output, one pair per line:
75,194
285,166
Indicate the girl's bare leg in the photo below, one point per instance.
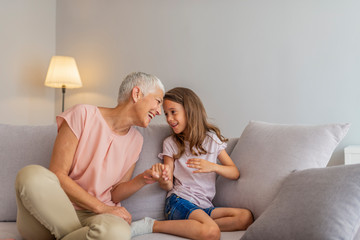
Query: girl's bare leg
198,226
232,219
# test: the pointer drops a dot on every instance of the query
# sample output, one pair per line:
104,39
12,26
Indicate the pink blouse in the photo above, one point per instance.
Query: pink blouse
102,157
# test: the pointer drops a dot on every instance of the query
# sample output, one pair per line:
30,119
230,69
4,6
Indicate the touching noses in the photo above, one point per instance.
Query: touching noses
158,110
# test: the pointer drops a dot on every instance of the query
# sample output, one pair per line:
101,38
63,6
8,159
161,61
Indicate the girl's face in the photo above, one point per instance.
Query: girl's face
175,116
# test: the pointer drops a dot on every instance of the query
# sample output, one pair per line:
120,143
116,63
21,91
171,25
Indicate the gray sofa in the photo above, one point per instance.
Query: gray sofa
269,156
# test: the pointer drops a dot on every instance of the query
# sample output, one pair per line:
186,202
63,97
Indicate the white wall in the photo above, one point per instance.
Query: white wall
278,61
281,61
27,42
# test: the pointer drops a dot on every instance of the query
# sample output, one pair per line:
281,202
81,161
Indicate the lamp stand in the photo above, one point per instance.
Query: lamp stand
63,88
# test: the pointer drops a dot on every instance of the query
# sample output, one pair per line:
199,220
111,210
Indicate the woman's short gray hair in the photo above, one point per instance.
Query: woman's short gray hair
146,82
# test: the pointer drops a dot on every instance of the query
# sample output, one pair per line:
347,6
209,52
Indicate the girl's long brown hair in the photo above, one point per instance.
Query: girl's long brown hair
197,124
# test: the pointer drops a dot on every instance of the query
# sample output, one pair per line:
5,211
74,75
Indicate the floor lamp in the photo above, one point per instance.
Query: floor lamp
63,73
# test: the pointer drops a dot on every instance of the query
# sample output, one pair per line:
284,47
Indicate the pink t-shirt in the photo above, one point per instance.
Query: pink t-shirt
102,157
198,188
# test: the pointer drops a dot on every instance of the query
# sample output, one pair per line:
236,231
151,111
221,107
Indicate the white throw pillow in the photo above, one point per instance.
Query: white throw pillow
266,153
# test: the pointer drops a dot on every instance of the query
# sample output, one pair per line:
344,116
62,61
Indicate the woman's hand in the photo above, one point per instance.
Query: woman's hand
118,211
162,171
151,176
202,165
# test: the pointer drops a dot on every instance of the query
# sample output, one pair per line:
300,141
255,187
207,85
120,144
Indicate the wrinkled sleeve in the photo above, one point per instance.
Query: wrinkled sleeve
222,146
219,144
74,117
169,148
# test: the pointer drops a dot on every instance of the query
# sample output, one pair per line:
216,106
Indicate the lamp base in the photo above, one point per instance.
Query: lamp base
63,90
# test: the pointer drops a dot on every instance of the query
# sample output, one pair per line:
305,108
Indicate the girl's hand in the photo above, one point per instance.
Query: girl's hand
162,171
165,172
202,165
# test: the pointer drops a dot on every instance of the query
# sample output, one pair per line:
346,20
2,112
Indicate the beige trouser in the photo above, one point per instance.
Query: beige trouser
45,211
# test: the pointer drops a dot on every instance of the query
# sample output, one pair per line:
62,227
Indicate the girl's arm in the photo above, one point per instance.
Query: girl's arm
228,169
166,178
126,187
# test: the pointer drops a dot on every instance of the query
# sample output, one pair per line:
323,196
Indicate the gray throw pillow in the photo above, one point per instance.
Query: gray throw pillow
266,153
313,204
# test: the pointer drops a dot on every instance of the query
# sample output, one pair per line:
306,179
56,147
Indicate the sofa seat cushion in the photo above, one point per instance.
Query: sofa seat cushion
266,153
159,236
8,230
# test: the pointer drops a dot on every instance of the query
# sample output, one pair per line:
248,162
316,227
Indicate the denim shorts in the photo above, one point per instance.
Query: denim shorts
177,208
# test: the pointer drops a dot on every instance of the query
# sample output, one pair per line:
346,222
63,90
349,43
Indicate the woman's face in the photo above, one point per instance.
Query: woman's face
149,106
175,116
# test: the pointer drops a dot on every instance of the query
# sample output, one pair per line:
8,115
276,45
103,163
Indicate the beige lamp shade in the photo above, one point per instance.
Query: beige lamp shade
63,72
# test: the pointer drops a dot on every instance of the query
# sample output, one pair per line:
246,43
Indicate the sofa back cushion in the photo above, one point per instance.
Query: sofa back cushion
21,146
25,145
150,200
266,153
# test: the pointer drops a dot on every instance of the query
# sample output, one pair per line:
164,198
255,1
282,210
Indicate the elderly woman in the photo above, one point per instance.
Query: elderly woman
93,159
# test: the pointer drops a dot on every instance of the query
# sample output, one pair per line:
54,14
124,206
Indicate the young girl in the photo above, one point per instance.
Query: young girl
189,171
